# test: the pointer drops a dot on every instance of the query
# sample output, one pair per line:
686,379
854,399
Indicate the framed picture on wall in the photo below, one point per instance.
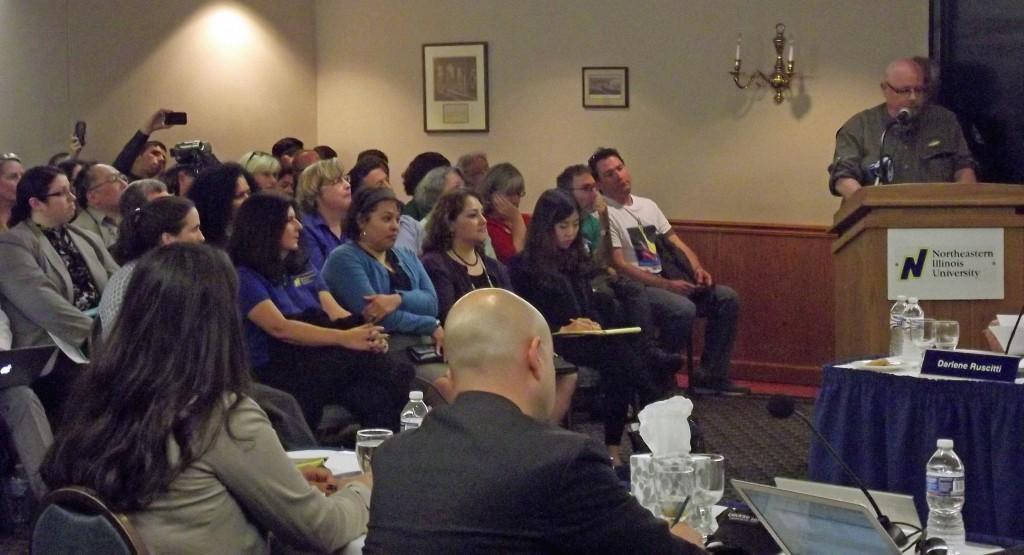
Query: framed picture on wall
455,87
606,87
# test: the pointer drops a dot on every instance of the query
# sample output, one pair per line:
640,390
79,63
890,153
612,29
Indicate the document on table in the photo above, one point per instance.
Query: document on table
1004,328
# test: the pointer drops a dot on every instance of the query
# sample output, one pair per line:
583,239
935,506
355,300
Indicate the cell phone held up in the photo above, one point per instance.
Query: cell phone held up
80,132
176,118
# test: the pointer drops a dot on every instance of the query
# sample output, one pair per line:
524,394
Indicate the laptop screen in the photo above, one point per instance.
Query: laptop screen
805,525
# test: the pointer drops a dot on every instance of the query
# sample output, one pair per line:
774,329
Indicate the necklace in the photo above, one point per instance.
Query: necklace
486,275
463,260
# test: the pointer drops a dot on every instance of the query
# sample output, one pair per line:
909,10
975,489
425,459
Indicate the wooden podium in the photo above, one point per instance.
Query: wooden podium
859,256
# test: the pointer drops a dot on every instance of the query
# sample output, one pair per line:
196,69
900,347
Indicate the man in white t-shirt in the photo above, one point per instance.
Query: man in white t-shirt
680,289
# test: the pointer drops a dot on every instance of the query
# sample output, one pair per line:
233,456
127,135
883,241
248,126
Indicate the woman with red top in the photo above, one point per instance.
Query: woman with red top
502,190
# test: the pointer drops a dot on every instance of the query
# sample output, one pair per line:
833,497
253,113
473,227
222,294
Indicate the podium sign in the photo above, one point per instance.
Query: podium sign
946,264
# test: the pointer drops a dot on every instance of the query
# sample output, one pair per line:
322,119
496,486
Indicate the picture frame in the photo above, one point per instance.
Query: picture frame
606,87
455,88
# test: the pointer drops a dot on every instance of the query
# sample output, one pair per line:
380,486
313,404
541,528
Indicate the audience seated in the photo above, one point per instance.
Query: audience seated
387,284
179,179
488,475
139,193
164,429
474,167
53,272
502,191
25,419
553,273
152,224
174,220
420,165
263,168
369,171
284,150
645,249
435,183
98,190
454,258
217,193
324,196
142,158
11,171
325,152
302,160
71,168
372,152
299,339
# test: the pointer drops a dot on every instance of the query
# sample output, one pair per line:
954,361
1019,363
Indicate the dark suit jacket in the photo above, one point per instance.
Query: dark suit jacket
479,476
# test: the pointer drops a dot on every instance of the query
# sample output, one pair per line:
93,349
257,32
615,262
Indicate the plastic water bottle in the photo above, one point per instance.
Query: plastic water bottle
18,497
414,411
945,493
896,326
912,314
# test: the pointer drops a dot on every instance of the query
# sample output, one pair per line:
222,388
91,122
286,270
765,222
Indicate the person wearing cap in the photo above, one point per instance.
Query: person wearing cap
924,144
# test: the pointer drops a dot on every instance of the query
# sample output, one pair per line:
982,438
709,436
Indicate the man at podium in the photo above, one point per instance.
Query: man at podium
904,140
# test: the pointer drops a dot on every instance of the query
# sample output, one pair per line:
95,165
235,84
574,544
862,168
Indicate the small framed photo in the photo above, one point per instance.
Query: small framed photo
606,87
455,87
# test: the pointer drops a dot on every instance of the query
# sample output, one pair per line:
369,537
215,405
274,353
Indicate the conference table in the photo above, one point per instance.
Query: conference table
885,425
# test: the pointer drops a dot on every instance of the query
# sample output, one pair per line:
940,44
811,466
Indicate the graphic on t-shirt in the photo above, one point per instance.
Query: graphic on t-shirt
646,251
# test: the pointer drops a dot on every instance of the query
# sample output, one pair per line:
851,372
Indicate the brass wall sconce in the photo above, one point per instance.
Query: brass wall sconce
779,79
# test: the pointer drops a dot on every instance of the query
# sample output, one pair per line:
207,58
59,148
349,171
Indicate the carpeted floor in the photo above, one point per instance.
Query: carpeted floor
756,446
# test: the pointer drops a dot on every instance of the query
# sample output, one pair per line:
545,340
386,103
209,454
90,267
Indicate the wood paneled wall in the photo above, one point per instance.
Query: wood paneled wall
784,278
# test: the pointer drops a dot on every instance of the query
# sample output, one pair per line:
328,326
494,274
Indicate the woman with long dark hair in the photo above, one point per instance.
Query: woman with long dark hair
163,429
385,283
553,273
218,193
299,338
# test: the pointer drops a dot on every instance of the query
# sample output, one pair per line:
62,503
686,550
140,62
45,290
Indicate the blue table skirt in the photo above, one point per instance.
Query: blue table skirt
885,428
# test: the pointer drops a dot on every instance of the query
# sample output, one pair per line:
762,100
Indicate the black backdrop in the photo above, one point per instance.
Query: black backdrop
978,46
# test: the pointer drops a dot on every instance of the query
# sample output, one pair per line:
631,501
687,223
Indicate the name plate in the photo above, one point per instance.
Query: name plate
976,365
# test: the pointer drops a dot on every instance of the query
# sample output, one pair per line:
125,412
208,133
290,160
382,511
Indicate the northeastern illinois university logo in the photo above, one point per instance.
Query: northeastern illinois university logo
912,267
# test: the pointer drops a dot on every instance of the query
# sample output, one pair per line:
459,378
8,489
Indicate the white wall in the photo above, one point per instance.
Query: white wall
245,73
703,149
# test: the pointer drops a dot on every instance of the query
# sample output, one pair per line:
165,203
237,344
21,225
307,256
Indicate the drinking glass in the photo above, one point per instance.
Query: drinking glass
709,485
367,442
947,334
673,485
922,333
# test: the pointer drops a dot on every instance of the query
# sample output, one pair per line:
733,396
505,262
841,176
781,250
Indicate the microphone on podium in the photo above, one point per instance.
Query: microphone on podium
904,115
783,406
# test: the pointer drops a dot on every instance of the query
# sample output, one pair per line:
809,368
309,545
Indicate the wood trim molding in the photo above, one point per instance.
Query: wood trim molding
784,230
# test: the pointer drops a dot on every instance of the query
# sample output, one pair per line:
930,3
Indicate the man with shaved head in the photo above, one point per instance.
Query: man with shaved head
923,142
487,474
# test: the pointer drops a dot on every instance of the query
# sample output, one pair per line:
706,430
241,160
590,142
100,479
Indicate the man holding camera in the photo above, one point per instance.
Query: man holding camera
142,158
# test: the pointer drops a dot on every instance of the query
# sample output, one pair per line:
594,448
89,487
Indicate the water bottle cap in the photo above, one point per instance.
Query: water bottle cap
901,298
912,300
415,395
945,444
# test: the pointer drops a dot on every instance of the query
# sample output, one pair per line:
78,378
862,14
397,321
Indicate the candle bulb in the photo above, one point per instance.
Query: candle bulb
739,40
791,52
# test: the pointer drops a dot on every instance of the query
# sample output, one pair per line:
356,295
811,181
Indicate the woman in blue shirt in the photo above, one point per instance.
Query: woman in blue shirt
388,285
299,338
324,196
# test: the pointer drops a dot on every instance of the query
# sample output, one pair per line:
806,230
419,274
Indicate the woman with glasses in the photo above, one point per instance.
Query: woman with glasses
11,171
264,168
324,197
217,193
165,430
502,190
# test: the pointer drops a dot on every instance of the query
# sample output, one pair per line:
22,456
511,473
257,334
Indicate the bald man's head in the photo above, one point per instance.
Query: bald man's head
496,341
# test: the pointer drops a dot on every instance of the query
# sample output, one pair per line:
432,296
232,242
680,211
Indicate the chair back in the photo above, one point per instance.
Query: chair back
74,520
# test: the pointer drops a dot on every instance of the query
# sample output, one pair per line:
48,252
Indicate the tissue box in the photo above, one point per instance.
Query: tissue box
641,482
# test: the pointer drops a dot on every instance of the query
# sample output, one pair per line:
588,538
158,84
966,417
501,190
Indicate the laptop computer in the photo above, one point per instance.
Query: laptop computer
899,507
808,525
22,366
